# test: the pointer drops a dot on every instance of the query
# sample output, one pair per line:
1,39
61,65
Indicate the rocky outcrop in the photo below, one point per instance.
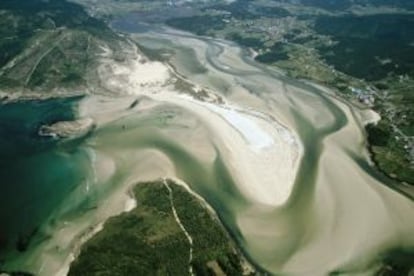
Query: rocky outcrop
68,129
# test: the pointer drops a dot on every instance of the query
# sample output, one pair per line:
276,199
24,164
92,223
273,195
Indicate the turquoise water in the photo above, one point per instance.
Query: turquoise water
20,121
36,173
41,179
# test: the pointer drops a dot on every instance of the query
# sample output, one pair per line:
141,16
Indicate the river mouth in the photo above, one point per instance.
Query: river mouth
337,215
321,213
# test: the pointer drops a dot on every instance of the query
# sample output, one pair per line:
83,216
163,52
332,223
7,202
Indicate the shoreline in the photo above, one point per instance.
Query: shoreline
247,264
126,155
124,76
130,204
399,184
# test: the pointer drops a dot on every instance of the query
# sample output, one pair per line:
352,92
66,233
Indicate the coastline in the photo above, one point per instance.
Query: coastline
169,135
130,204
397,182
182,202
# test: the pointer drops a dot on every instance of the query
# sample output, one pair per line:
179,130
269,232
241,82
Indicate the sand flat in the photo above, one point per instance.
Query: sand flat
294,192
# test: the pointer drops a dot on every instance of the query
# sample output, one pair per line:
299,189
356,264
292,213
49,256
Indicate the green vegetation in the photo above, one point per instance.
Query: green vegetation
397,263
59,66
200,25
387,152
47,44
210,242
149,241
271,11
345,4
21,20
277,53
369,47
16,273
145,241
240,9
251,42
377,49
368,59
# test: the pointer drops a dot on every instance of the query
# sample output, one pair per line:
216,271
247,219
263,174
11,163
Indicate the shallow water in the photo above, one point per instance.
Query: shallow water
341,216
36,172
339,199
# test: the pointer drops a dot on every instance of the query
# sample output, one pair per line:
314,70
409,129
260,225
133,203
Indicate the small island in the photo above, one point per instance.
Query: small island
68,129
169,232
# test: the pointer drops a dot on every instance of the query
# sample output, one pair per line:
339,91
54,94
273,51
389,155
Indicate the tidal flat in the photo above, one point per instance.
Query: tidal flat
302,200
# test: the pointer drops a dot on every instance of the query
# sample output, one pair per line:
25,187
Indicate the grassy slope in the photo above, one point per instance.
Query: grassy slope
48,42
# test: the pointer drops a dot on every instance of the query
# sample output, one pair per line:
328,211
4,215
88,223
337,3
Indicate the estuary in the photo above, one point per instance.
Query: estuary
282,162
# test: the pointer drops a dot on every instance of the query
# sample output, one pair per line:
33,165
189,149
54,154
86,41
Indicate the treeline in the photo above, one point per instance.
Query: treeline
210,241
148,240
369,47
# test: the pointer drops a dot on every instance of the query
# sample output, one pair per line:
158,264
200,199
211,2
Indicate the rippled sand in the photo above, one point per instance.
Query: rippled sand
282,163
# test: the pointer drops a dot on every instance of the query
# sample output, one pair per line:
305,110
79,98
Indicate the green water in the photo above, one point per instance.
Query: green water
36,172
40,178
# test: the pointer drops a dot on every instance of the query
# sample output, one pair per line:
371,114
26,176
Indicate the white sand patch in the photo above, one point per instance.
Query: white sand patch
130,204
370,117
136,73
254,135
261,155
132,76
106,51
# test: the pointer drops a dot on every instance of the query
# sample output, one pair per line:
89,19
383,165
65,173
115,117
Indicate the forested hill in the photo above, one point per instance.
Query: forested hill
43,44
344,4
